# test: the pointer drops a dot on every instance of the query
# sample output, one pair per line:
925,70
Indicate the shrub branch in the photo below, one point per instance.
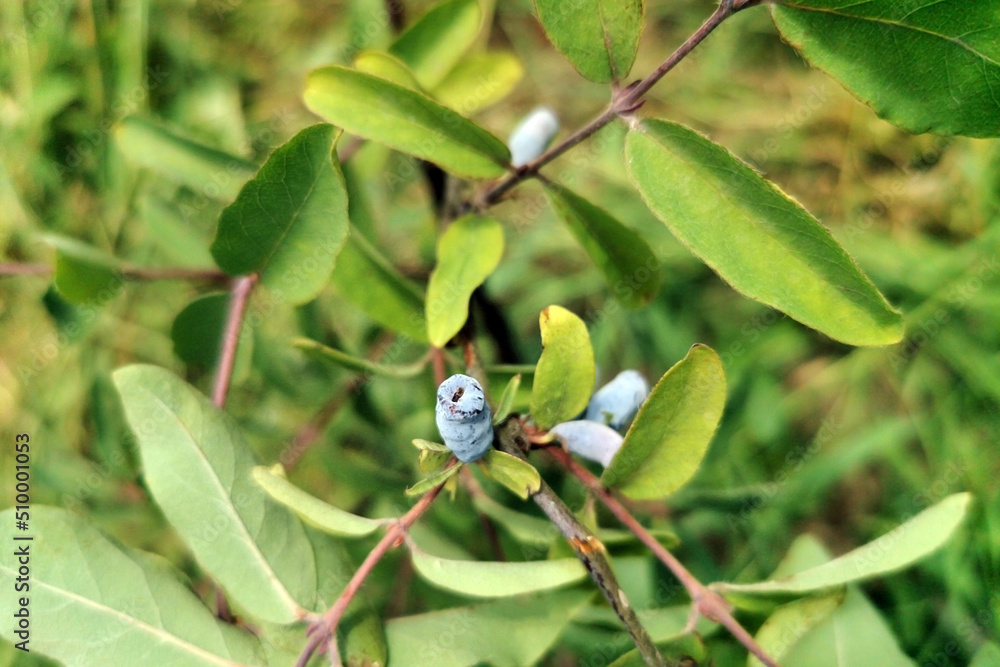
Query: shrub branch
704,601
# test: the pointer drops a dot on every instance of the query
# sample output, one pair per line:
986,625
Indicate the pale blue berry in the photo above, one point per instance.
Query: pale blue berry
589,439
532,136
616,403
463,418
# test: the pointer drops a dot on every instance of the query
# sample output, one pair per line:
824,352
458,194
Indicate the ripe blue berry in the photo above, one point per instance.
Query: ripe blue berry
589,439
463,418
616,403
532,136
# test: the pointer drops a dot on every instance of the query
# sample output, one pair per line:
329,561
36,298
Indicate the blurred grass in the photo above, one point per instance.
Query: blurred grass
818,437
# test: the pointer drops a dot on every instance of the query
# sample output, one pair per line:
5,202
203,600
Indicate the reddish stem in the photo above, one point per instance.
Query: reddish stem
242,288
437,361
129,272
704,601
326,627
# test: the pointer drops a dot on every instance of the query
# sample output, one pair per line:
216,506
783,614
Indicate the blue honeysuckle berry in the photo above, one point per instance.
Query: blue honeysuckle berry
589,439
532,136
463,418
617,402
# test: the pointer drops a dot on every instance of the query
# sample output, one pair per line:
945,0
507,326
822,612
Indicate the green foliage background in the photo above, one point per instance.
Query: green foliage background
817,437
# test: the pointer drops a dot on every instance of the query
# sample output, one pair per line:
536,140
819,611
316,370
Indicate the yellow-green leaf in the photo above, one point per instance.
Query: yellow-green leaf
492,580
406,120
565,375
311,509
754,236
671,433
467,253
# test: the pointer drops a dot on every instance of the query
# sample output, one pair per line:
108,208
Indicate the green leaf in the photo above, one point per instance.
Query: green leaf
198,330
94,602
428,483
517,475
482,633
627,263
988,655
671,433
311,509
565,375
925,65
599,37
197,467
754,236
495,580
330,355
433,45
403,119
210,172
467,253
84,275
478,81
791,622
506,399
370,282
290,221
904,545
386,66
854,635
839,630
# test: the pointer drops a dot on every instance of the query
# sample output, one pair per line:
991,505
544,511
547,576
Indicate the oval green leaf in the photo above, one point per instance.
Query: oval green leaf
906,544
627,263
565,375
197,467
290,221
433,45
478,81
516,474
598,37
926,65
311,509
468,252
494,579
754,236
94,602
406,120
671,433
370,282
198,330
84,275
330,355
208,171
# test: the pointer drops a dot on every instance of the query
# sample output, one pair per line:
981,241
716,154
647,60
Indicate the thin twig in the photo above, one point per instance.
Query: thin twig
326,627
437,361
242,289
128,272
624,102
704,601
511,439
